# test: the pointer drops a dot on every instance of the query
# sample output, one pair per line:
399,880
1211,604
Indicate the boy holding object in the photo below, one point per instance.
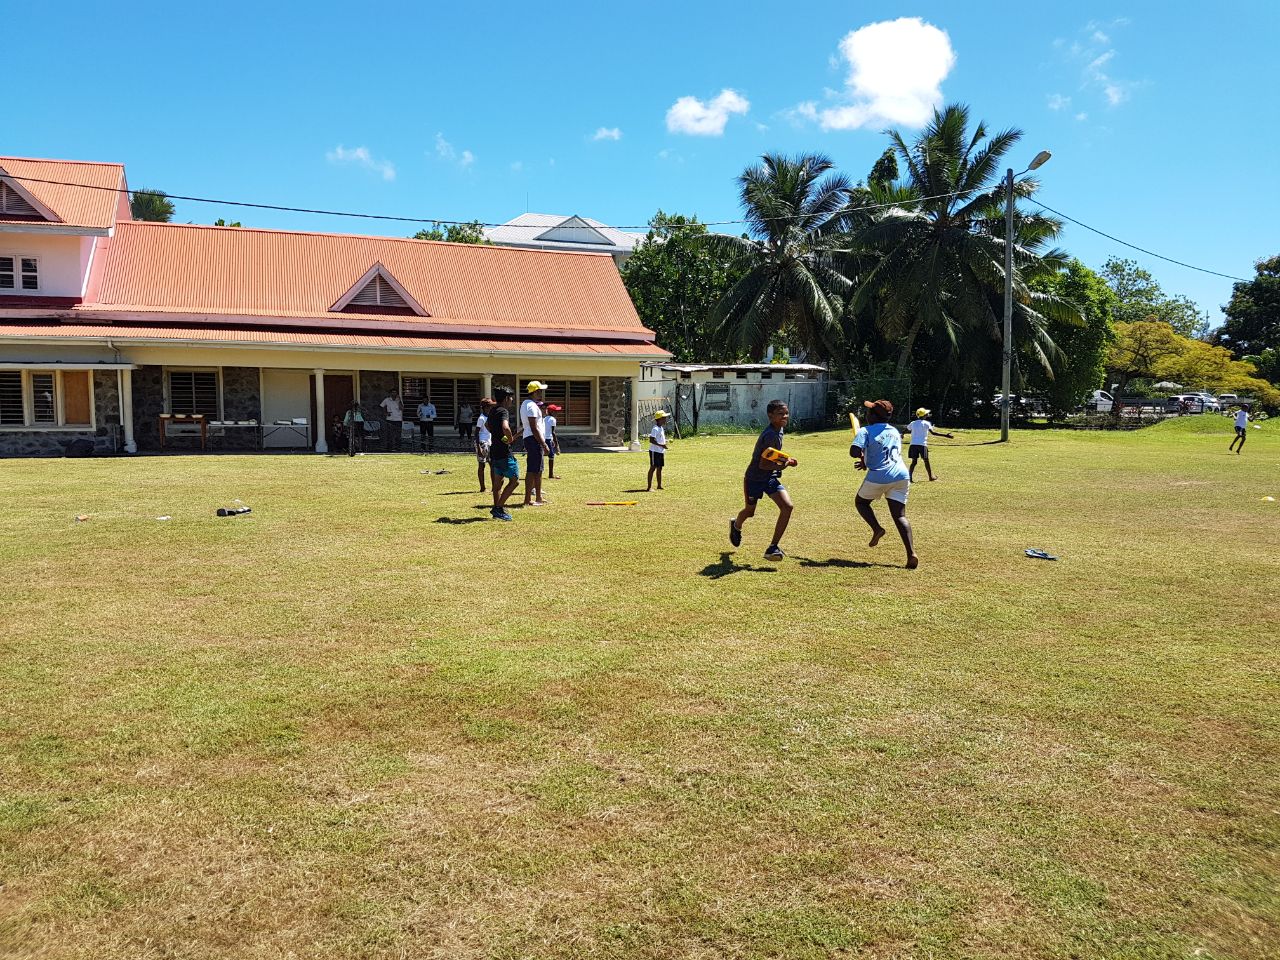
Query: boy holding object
657,449
502,465
878,449
920,429
764,477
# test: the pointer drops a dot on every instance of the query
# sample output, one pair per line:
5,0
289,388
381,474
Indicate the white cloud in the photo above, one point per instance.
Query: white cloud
1058,102
517,166
607,133
1082,116
690,115
361,157
896,69
1094,57
446,151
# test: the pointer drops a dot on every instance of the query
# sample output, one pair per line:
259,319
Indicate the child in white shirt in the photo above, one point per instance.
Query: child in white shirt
657,448
1242,430
920,429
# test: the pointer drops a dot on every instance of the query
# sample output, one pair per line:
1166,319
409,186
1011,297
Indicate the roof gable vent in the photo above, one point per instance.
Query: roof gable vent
13,204
378,292
574,230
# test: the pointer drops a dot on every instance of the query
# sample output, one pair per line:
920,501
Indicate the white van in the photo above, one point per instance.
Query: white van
1101,401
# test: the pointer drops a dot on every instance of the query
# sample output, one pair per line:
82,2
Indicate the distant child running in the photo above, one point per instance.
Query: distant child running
764,477
878,449
920,429
657,448
1242,430
553,442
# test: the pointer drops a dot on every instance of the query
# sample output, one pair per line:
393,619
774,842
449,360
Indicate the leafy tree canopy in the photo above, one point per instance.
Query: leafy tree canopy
1253,315
1083,345
675,280
1140,297
227,223
152,205
472,232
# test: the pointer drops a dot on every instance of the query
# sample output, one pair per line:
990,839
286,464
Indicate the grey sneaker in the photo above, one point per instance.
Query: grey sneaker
735,535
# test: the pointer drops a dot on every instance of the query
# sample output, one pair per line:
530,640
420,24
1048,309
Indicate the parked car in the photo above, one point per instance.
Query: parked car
1193,403
1227,400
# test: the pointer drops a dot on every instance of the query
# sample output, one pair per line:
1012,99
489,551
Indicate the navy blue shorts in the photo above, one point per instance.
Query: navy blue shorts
755,489
533,455
657,459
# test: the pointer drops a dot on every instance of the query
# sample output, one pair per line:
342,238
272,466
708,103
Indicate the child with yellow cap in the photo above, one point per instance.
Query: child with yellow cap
657,448
920,429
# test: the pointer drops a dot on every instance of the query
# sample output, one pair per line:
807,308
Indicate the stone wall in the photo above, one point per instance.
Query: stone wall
241,400
615,419
148,404
374,387
54,443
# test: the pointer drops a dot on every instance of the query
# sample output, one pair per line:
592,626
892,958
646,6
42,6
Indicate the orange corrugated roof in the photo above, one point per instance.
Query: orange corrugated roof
90,205
220,271
121,333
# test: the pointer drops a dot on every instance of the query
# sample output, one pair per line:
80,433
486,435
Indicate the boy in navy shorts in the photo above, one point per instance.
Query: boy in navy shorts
764,477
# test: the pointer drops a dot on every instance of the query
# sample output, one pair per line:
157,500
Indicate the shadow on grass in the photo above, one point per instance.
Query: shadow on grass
459,520
456,493
637,490
843,563
726,566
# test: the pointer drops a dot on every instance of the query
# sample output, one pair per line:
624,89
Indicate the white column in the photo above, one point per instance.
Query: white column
126,410
322,445
635,413
486,386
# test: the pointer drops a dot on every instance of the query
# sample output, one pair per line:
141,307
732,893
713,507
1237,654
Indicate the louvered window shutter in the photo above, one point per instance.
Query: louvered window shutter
378,293
12,203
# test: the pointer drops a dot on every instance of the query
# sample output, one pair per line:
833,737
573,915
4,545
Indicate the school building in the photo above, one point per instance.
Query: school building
125,335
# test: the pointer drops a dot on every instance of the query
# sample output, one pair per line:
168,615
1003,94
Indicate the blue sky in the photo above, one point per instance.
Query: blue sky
1153,111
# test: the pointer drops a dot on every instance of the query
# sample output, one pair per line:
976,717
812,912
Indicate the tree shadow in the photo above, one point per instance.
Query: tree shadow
460,520
842,563
726,566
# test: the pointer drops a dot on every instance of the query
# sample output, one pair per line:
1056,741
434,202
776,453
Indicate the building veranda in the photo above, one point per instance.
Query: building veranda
121,334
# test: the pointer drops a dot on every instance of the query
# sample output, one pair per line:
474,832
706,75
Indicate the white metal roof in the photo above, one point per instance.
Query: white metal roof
559,232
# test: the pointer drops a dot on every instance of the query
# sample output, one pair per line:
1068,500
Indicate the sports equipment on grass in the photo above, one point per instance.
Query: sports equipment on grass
1040,554
612,503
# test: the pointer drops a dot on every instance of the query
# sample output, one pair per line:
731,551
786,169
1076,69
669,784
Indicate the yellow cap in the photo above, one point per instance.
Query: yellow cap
923,412
534,386
660,415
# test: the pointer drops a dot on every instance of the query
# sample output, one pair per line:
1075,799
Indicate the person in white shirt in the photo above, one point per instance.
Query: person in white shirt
549,423
483,440
920,429
427,423
394,424
1242,430
657,449
535,445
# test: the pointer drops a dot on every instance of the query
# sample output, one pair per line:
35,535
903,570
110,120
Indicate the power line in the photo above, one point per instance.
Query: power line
436,221
1134,246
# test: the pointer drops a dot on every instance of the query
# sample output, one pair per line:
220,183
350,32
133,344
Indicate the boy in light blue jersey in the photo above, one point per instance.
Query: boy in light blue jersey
878,449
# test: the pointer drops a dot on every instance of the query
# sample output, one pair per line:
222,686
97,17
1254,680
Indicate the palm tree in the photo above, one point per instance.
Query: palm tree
791,286
932,260
153,205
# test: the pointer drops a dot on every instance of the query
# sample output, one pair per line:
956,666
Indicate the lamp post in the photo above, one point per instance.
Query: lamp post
1006,375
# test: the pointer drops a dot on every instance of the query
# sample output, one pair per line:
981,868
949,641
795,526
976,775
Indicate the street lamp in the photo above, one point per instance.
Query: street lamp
1041,159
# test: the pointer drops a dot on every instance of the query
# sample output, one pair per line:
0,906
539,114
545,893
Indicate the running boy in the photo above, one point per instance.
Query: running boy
483,440
502,465
1242,430
553,442
920,429
878,449
657,448
765,477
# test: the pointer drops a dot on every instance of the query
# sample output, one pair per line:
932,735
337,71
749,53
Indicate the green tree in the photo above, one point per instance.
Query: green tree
1253,315
1141,350
1140,297
790,289
675,281
153,205
227,223
1083,344
933,263
472,232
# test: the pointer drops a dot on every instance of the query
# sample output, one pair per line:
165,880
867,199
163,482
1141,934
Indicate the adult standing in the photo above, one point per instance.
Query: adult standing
535,444
502,465
427,423
393,424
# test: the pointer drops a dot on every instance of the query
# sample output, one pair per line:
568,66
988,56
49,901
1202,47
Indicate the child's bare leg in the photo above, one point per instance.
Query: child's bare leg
745,514
649,482
928,466
867,514
659,478
899,513
911,472
783,500
480,476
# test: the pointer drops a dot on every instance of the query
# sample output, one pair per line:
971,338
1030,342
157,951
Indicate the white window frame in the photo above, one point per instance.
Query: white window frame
19,273
587,431
29,425
168,399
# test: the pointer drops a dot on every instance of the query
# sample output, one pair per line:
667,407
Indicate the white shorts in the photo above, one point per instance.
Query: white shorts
897,490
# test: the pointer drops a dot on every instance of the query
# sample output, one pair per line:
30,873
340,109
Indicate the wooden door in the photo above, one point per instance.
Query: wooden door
339,392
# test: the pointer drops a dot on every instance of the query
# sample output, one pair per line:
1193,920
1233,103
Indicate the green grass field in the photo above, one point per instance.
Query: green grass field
366,721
